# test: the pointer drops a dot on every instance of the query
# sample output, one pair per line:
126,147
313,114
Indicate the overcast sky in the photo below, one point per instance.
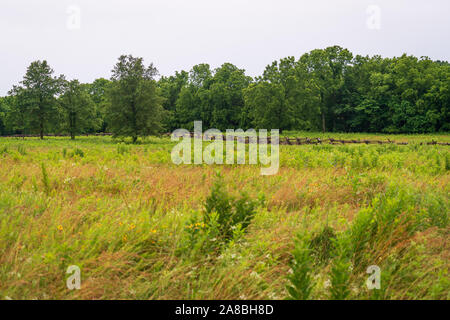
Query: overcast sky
83,38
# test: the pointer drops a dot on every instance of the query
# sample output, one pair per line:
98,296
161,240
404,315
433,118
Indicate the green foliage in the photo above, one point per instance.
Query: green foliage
224,221
78,152
228,211
98,92
143,214
45,179
322,244
122,149
135,103
79,113
301,280
35,108
323,90
340,271
22,149
4,150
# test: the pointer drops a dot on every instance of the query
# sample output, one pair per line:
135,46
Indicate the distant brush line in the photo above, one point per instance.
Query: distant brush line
55,135
283,140
307,141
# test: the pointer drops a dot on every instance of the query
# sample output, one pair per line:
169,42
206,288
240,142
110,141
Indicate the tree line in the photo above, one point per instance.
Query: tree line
328,90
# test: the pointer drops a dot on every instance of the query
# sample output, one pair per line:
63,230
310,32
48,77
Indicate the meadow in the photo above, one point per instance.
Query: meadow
140,227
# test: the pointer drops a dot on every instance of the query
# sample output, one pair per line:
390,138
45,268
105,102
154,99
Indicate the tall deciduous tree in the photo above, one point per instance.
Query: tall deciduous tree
98,91
135,102
36,97
267,104
194,100
170,89
79,112
327,69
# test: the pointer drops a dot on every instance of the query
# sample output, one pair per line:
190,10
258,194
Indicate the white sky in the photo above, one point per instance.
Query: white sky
177,34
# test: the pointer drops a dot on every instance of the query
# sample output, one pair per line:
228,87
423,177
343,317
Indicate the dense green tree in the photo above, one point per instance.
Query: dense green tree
325,89
170,89
3,113
194,101
36,104
299,101
216,97
135,102
78,109
327,69
226,97
98,91
267,104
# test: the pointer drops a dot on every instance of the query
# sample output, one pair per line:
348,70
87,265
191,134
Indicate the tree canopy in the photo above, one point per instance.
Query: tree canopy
323,90
36,105
135,102
79,112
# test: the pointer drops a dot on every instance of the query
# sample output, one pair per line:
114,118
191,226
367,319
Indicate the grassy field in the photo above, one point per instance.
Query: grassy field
140,227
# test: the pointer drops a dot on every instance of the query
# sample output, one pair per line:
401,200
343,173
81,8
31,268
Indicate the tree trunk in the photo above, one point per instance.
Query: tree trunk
322,109
73,125
41,129
134,119
41,119
323,122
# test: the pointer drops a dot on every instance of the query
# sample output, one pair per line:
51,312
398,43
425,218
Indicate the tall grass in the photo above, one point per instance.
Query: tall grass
140,227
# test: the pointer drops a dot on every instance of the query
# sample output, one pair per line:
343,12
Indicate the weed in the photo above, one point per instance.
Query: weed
322,244
301,280
45,179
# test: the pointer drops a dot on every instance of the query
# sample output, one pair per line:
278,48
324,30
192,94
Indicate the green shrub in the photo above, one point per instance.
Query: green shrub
21,149
340,270
224,219
122,149
300,280
230,211
322,244
4,150
45,179
78,152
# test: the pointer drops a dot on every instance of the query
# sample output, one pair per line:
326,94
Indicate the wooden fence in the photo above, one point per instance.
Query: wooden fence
315,141
56,135
296,141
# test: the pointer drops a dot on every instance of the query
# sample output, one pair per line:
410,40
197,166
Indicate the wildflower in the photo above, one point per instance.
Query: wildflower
120,223
132,226
125,238
60,228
